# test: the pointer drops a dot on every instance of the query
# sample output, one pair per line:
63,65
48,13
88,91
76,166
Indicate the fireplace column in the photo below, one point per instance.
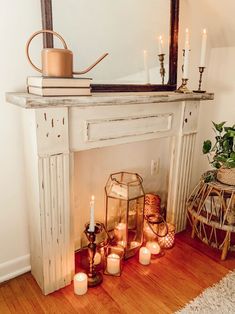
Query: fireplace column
51,231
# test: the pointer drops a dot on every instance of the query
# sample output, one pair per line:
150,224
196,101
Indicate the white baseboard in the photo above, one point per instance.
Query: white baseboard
14,267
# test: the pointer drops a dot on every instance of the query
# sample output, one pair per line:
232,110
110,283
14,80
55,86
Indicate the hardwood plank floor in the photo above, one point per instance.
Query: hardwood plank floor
163,287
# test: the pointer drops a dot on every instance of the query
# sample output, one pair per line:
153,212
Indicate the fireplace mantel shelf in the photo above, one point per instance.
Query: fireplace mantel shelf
30,101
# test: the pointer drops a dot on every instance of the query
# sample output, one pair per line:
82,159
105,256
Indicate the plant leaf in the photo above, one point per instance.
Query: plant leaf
206,146
230,163
219,126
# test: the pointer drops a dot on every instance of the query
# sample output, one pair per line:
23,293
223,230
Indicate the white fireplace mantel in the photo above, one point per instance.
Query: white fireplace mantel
56,127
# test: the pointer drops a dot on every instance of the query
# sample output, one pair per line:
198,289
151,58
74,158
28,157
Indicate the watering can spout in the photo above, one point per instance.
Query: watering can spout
92,66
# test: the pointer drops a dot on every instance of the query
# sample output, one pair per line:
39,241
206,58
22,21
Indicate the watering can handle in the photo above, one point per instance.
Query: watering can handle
34,35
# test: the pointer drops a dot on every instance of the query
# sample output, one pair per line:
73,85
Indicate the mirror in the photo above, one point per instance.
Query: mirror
129,31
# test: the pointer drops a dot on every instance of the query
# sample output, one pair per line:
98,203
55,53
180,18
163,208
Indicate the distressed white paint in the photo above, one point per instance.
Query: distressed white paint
127,119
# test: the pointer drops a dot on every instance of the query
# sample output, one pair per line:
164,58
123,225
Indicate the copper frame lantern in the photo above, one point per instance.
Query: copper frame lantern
125,210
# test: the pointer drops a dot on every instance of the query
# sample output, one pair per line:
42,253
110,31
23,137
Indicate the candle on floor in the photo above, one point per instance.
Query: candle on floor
153,247
146,67
113,264
97,258
120,232
92,213
80,283
144,256
203,48
160,45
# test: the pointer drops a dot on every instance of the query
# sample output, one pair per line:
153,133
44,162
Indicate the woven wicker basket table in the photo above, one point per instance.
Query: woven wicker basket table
211,213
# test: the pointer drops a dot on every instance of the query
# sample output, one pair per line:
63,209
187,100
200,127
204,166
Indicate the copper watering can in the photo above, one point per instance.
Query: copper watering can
57,62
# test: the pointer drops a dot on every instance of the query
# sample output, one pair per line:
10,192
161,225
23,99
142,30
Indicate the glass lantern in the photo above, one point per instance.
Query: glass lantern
125,210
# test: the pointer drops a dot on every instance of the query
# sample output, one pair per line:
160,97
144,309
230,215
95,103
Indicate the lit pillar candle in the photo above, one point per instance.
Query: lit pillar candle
160,45
113,264
92,213
146,67
203,48
153,247
120,232
80,283
144,256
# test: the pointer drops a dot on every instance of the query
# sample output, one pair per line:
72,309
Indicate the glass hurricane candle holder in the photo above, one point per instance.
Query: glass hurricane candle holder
113,262
124,210
167,241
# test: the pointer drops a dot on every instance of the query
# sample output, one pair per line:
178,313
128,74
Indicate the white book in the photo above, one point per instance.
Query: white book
59,91
40,81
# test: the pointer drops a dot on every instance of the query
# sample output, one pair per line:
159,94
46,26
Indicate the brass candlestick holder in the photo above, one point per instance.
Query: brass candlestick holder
94,278
201,70
162,69
183,87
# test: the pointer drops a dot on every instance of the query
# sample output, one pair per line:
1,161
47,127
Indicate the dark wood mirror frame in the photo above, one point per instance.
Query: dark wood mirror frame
47,23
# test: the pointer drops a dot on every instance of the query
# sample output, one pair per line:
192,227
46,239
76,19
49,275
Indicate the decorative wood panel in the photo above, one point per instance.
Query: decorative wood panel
107,129
181,164
55,222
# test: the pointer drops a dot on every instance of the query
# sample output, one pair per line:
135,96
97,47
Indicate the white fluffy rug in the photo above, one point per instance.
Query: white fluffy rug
220,298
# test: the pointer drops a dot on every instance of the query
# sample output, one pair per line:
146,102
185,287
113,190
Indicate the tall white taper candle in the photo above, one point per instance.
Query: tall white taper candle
160,45
203,48
92,214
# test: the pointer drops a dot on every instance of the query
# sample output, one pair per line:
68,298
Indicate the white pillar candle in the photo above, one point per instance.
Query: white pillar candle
92,213
146,67
120,232
153,247
80,283
113,264
97,258
203,48
144,256
160,45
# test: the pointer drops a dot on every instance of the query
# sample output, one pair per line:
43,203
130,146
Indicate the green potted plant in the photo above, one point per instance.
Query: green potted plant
221,154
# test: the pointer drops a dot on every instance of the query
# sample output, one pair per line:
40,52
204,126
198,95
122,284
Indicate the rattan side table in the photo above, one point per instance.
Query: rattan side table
211,212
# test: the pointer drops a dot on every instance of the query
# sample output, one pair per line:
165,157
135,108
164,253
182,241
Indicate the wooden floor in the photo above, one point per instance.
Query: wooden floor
163,287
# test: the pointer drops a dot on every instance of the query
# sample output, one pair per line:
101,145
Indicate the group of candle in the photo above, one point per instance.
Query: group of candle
113,260
187,50
186,54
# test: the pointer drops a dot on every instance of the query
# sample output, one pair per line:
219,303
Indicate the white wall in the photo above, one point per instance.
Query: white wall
18,19
217,16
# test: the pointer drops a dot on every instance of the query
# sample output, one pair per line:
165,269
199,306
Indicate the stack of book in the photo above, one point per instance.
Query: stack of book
53,86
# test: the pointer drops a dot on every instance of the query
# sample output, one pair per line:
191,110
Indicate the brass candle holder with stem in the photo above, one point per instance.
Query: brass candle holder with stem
162,68
201,70
94,278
